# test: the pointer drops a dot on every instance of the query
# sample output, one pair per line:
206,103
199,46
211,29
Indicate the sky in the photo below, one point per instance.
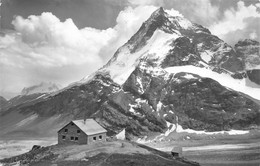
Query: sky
62,41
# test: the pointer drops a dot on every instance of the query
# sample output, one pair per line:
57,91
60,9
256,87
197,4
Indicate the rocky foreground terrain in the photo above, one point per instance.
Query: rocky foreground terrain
115,153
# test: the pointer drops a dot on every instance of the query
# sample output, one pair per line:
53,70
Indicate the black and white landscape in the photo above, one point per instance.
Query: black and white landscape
173,82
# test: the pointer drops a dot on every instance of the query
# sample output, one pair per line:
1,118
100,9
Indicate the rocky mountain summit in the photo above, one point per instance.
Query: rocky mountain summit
172,74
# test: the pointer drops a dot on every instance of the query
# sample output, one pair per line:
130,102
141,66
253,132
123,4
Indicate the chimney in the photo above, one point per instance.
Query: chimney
85,117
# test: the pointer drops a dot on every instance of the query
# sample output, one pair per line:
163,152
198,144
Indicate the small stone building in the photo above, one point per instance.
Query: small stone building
176,151
82,132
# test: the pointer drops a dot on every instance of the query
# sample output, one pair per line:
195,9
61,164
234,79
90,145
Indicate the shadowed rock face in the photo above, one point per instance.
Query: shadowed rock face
150,98
249,51
254,75
193,40
3,102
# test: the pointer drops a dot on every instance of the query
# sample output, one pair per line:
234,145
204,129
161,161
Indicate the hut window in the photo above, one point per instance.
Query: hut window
71,138
63,137
94,138
72,124
66,130
78,131
76,138
100,137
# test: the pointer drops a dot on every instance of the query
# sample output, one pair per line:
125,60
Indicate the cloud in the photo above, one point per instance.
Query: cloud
239,23
146,2
253,35
128,22
50,42
199,11
43,48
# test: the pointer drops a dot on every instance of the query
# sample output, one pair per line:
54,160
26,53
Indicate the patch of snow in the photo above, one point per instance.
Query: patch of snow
224,79
171,112
104,83
220,147
139,100
186,58
184,23
237,132
199,46
189,76
40,96
153,71
27,120
171,128
121,135
206,55
159,106
115,90
179,129
140,85
143,140
132,110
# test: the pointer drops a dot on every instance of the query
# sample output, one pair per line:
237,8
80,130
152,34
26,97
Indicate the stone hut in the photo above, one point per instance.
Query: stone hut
176,151
86,131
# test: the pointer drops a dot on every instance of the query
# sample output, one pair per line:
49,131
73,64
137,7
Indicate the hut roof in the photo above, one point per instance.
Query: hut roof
89,126
177,149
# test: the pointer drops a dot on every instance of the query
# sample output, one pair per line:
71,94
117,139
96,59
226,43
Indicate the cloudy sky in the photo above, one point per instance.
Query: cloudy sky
62,41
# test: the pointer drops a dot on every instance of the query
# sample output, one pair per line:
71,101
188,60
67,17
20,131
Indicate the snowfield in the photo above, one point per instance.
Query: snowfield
243,85
179,129
156,48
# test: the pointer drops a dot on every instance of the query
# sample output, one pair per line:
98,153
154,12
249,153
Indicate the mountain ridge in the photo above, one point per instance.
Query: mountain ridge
43,87
152,84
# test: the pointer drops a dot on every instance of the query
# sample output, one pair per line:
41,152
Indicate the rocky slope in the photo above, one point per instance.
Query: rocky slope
249,50
3,102
105,154
170,73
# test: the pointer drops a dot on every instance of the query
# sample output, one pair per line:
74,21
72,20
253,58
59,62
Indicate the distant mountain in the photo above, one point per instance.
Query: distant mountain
31,94
43,87
172,74
3,102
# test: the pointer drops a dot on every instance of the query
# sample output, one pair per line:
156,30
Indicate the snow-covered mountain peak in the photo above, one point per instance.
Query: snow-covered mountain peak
158,12
43,87
168,39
